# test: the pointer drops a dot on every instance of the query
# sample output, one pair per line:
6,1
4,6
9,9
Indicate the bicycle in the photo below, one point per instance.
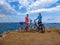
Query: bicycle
40,27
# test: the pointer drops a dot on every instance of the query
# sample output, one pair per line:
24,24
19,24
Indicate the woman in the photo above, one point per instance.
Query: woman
27,22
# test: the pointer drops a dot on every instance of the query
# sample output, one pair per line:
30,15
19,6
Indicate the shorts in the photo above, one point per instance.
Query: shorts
39,23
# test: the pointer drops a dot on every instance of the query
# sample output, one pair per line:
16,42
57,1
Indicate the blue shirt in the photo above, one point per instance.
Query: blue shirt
39,18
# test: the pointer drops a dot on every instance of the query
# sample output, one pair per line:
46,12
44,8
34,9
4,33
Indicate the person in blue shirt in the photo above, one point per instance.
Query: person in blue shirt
39,18
40,25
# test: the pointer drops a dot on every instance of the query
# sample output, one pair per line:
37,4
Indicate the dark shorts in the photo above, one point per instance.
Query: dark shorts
39,23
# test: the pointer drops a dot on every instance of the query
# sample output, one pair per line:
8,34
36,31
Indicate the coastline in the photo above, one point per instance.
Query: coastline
51,35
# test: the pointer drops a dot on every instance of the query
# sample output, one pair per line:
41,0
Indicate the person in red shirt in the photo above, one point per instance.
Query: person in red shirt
26,19
27,22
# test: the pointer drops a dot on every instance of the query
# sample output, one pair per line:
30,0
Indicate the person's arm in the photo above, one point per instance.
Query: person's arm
36,18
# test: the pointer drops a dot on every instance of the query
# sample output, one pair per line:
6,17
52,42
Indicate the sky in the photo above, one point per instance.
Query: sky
16,10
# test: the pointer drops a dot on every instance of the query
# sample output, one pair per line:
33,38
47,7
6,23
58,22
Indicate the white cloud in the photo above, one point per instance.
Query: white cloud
20,7
51,19
6,9
54,9
42,4
2,16
7,19
30,5
11,1
1,2
24,3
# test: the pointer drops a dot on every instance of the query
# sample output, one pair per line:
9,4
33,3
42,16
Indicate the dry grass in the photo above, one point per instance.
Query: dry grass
50,37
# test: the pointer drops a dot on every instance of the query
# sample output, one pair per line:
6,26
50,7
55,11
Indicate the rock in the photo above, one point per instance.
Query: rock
59,32
0,35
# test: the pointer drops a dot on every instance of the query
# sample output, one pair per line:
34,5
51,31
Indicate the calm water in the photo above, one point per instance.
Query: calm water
13,26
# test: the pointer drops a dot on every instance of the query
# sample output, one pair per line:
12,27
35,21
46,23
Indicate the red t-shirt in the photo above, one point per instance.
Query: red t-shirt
26,20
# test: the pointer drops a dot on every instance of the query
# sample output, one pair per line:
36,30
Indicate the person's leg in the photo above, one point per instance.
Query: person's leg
43,28
26,27
38,26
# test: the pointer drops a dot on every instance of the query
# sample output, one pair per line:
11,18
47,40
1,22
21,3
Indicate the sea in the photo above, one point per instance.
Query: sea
4,27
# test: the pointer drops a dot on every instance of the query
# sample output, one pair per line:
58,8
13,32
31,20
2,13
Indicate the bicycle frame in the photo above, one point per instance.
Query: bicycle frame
41,27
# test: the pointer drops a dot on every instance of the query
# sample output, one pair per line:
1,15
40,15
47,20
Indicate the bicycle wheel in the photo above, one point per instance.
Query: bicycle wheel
41,29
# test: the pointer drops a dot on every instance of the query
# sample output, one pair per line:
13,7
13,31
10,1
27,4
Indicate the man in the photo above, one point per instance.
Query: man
39,21
39,18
